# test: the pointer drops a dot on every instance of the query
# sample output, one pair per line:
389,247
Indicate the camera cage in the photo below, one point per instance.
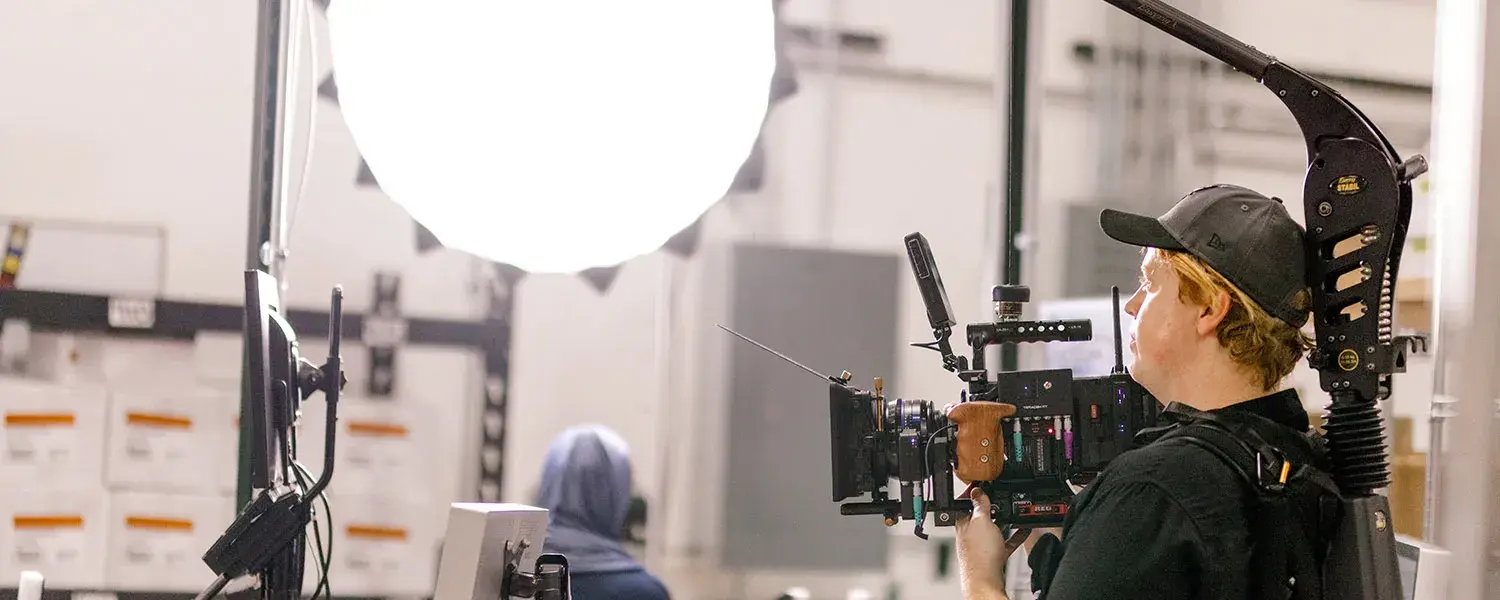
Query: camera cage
1028,438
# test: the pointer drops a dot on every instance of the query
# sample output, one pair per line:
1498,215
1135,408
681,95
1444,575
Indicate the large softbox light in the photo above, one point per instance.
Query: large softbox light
555,137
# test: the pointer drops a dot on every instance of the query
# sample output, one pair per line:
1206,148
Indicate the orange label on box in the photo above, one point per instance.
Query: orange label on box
39,419
48,521
158,523
376,532
376,429
158,420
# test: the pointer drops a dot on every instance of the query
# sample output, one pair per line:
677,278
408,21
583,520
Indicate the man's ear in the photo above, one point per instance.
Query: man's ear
1213,313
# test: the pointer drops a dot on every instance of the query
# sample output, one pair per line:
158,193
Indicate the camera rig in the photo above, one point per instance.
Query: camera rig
1357,201
1027,438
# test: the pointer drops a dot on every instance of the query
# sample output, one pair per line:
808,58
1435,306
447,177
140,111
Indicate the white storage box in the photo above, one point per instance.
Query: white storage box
51,435
156,541
384,448
59,532
72,358
171,442
382,547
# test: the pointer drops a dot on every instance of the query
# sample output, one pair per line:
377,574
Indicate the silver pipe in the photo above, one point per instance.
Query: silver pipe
1467,296
280,230
657,508
832,56
1438,414
1099,94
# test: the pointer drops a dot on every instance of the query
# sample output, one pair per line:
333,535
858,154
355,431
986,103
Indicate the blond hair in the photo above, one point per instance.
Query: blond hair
1265,346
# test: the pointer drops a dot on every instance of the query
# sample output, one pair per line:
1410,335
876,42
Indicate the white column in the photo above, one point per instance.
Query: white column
1466,151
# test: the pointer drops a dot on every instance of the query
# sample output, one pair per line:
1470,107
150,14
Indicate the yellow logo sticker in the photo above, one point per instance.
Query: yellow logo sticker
1348,185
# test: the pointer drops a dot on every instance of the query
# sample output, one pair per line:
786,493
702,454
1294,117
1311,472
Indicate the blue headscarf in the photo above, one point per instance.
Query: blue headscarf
586,489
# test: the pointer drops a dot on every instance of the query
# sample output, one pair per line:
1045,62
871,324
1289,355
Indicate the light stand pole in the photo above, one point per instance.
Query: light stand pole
272,33
1011,125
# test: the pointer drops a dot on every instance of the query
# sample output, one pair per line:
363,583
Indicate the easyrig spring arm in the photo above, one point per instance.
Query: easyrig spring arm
1357,199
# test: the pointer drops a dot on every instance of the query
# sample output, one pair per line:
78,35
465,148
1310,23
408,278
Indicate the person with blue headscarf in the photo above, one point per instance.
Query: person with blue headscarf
586,491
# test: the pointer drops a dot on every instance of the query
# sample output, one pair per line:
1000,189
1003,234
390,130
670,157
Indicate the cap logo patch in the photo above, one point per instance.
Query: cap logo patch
1216,243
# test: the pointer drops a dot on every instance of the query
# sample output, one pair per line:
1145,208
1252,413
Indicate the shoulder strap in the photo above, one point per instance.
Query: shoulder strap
1289,533
1271,444
1256,462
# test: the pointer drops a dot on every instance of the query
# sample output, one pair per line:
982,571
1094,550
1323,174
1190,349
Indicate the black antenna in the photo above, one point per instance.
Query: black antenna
1114,291
780,355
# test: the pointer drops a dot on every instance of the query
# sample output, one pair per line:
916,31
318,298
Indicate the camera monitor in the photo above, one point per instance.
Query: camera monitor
271,346
261,301
267,538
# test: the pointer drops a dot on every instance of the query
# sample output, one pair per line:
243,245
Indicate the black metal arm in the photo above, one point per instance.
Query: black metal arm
1239,55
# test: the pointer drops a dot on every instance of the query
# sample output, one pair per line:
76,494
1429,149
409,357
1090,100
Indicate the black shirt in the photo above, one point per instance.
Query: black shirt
1166,522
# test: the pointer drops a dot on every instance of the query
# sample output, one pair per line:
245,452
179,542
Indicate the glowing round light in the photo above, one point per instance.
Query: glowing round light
554,136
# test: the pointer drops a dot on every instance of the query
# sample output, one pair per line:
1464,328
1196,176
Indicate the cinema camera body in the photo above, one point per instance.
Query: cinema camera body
1029,439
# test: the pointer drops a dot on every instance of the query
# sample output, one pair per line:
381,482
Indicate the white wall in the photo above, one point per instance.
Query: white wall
118,113
140,114
124,113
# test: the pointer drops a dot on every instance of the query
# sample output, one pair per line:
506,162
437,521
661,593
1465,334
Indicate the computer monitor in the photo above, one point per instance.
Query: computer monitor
1424,569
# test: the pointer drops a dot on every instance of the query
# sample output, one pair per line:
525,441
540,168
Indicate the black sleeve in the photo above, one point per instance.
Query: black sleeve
1133,541
1043,560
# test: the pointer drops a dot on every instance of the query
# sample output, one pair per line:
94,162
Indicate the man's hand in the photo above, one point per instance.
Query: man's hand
982,552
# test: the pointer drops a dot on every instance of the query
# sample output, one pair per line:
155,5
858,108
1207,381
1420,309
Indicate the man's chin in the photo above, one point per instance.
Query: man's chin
1136,375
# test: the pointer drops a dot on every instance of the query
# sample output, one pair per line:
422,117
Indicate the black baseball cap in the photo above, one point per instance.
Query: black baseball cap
1248,238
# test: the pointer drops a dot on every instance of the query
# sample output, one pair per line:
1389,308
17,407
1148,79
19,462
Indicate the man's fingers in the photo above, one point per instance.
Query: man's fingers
981,502
981,505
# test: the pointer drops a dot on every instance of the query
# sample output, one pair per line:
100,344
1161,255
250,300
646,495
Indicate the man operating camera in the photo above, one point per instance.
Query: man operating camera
1218,318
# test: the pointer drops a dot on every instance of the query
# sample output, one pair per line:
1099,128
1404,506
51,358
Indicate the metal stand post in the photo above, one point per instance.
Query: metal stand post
1012,126
272,36
1463,479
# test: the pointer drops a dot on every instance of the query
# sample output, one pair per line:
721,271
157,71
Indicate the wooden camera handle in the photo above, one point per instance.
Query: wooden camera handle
980,448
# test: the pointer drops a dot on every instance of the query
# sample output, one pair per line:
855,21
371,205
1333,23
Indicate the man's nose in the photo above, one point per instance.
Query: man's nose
1133,305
